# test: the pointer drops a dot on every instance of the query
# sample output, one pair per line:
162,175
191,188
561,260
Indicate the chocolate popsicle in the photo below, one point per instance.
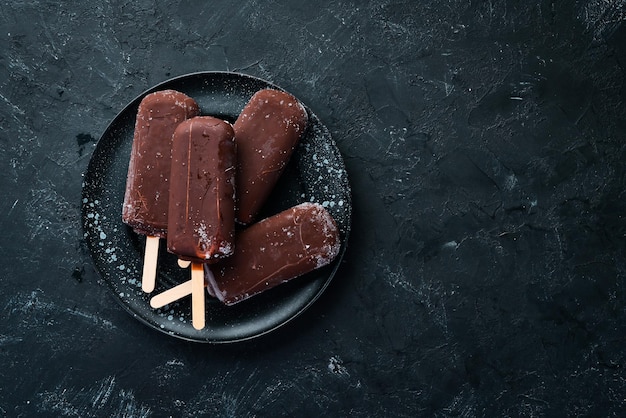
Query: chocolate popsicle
147,184
267,132
201,224
275,250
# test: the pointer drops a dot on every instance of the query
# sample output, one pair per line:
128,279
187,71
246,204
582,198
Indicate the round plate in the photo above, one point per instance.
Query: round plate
315,173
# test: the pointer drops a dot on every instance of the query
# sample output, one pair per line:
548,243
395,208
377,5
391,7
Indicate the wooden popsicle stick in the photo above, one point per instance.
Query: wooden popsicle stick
183,264
197,296
148,277
171,295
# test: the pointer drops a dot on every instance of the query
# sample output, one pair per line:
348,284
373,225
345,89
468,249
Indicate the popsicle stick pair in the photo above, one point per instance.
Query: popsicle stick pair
193,287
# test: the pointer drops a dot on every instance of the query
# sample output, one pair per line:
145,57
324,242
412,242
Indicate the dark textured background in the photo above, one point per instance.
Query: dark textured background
485,272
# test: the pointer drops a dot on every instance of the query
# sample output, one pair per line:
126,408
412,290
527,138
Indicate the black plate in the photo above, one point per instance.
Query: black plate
315,173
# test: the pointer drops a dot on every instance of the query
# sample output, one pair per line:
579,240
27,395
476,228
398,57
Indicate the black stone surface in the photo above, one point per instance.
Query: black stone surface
485,271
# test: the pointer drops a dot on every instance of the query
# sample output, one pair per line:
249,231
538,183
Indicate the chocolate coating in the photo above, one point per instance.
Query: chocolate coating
147,184
202,191
267,132
275,250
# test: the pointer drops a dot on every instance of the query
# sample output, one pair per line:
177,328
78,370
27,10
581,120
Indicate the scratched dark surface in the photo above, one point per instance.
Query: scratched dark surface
485,270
